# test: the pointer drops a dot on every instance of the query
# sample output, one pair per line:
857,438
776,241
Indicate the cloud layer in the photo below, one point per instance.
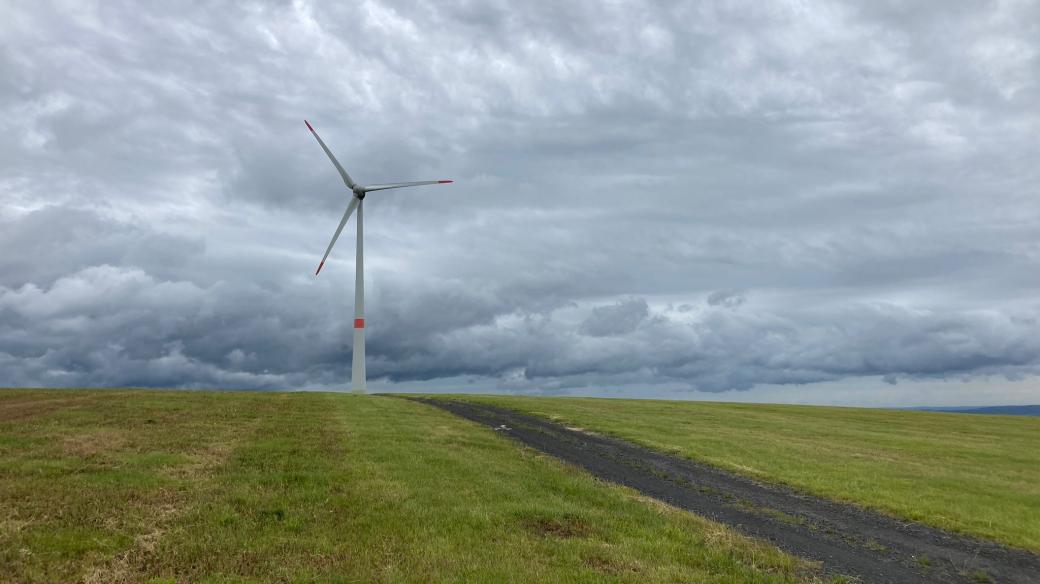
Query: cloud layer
711,195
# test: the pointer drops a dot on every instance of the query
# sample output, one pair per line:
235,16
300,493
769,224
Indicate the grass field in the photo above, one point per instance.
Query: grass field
136,486
971,473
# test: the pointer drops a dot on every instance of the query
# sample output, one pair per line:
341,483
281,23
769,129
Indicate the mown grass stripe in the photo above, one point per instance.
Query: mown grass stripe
331,488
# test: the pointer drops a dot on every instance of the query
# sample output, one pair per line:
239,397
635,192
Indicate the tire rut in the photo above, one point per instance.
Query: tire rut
844,538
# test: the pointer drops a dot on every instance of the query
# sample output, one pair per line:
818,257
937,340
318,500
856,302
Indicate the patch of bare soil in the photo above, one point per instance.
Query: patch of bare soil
845,539
563,528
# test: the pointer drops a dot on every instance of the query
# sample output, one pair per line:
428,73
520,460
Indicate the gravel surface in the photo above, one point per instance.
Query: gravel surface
846,539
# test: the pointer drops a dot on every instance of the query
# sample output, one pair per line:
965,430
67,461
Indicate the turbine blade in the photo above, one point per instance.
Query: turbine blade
343,173
371,188
350,209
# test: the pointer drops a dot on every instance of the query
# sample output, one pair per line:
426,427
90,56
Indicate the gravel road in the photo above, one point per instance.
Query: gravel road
845,539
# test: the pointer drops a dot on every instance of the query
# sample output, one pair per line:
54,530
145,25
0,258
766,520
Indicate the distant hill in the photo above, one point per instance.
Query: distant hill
1033,410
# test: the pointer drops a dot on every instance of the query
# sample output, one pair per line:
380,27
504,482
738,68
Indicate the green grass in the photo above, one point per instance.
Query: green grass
136,486
970,473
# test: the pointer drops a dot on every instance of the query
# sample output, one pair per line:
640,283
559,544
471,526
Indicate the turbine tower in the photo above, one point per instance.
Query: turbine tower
358,376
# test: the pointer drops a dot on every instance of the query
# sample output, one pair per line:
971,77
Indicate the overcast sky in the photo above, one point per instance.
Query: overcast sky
785,201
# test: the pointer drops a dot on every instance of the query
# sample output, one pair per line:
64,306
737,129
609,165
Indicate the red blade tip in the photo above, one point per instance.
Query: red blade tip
319,267
308,125
445,181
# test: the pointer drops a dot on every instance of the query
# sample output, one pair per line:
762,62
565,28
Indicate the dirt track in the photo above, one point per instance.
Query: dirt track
846,539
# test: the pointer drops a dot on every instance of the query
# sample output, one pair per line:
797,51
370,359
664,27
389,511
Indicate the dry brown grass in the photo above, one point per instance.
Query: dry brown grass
20,408
203,461
131,565
608,565
140,562
94,443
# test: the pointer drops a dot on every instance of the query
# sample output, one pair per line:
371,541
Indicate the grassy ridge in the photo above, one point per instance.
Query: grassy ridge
976,474
119,486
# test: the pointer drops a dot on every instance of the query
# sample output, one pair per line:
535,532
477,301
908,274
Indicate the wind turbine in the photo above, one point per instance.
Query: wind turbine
357,372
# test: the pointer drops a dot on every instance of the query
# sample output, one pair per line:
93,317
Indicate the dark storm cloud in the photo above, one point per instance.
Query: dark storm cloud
730,298
710,195
615,319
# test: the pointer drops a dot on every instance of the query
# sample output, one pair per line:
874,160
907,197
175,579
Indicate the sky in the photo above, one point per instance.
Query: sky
808,202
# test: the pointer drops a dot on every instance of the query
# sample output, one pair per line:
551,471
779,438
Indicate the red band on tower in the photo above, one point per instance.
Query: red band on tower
359,323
